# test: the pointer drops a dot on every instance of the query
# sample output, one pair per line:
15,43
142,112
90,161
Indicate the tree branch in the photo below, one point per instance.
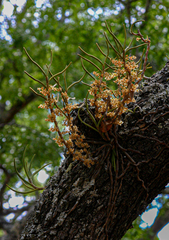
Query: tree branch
147,7
166,191
7,116
159,223
101,202
18,210
2,190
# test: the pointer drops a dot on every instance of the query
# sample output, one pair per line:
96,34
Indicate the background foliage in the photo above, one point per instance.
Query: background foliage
60,26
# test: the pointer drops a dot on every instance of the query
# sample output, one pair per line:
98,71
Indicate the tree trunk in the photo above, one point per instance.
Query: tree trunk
101,202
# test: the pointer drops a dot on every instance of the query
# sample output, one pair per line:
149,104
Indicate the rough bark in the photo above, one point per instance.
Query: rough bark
101,202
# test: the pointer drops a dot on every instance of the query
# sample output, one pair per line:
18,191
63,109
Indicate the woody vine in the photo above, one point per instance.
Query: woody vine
109,104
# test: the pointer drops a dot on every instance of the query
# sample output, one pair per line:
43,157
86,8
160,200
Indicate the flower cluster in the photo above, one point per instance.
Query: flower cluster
75,137
112,103
109,104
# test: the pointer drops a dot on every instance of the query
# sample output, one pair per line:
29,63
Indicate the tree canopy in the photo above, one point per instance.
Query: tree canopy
60,26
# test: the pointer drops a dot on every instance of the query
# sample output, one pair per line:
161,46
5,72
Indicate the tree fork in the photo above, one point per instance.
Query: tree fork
101,202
